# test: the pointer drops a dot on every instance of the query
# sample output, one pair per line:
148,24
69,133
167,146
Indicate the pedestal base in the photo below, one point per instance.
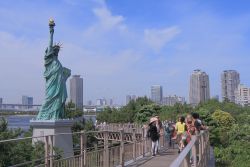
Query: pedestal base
53,127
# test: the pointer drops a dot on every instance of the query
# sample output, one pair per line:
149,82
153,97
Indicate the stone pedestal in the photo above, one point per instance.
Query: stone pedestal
54,127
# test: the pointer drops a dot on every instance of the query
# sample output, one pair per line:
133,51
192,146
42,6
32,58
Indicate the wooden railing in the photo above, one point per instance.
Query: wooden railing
196,153
116,147
125,150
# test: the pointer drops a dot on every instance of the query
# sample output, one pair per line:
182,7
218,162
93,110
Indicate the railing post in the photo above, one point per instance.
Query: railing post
51,158
81,149
46,150
200,148
194,152
203,161
106,149
207,147
143,141
122,147
134,144
83,146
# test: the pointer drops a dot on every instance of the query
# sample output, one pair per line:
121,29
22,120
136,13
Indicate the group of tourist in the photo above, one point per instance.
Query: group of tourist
180,132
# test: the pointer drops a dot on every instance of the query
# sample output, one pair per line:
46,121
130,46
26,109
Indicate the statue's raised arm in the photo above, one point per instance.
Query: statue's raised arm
51,30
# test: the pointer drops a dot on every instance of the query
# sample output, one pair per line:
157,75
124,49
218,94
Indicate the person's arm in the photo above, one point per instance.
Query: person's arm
51,31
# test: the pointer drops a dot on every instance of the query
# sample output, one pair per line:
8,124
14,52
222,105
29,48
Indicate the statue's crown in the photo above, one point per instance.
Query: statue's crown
58,45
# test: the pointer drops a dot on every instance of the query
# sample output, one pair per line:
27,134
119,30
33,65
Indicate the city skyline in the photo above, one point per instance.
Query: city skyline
118,51
225,75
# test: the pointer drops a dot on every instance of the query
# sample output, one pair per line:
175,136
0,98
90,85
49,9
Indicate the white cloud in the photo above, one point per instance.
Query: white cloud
158,38
107,20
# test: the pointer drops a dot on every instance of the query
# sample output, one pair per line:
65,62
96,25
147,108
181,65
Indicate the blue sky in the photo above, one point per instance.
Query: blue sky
123,47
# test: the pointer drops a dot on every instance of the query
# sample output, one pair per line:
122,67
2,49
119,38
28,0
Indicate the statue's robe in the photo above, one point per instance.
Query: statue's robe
56,93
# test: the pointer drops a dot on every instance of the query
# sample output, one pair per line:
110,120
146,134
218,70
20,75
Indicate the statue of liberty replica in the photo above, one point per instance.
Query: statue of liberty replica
51,117
55,75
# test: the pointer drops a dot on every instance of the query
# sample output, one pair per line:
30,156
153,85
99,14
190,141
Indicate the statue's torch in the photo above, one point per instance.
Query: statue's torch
51,30
51,23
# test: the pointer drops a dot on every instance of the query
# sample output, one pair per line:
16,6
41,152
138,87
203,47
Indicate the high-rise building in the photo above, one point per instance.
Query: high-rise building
199,90
242,95
1,102
128,99
111,102
230,79
156,94
101,102
172,100
27,102
76,91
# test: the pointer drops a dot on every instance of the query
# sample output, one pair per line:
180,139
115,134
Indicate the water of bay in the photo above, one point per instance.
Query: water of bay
19,121
23,121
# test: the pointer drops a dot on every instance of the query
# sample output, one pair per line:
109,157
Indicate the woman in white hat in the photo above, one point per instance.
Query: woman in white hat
153,135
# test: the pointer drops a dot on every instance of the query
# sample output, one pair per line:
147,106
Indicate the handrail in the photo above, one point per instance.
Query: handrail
57,134
179,160
196,153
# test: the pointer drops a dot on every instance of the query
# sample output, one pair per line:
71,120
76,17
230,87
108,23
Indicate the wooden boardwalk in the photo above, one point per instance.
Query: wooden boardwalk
163,159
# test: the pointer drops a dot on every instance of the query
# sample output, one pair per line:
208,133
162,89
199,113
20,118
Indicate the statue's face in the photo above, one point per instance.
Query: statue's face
57,50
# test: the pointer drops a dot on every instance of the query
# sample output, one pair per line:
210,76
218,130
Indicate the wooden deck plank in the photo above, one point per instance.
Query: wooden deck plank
163,159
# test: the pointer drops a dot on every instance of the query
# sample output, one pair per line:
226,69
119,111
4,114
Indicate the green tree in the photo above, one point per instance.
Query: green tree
223,118
71,111
146,112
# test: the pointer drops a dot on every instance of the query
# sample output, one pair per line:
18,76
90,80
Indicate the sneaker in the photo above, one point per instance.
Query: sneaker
179,151
153,155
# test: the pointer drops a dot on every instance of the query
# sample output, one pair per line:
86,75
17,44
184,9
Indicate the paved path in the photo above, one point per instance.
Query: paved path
164,159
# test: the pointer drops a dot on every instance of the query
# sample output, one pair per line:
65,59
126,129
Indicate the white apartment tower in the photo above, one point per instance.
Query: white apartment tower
199,90
76,91
156,94
242,95
230,80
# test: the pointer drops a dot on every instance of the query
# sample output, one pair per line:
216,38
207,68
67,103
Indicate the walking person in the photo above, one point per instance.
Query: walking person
168,133
180,129
159,130
153,135
190,128
197,123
